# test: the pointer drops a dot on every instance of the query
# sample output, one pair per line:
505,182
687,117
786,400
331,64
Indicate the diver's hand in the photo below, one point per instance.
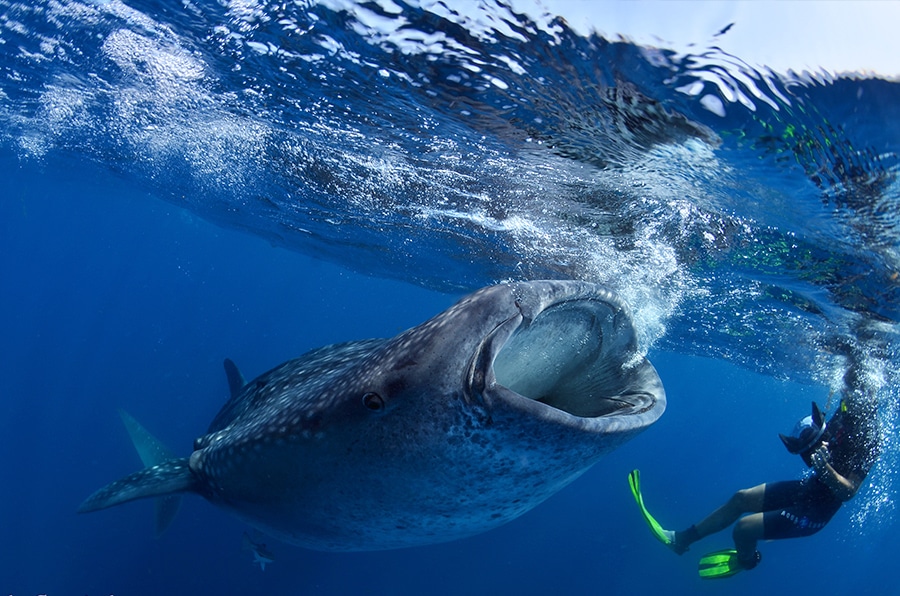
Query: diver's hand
841,486
819,459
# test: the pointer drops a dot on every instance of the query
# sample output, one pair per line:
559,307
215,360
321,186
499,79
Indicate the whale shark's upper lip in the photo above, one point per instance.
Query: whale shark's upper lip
573,354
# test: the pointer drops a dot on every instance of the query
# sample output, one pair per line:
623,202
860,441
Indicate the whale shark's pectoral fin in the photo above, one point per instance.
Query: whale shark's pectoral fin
171,476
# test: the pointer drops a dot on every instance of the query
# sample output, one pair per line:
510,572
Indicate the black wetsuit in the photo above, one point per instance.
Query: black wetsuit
797,508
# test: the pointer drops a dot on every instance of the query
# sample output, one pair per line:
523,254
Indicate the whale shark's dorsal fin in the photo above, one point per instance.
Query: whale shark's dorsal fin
153,453
236,380
237,403
304,369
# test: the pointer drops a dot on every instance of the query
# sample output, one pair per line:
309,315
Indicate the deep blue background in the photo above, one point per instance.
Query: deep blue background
111,298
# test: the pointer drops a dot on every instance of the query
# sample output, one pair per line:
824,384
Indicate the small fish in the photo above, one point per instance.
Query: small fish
261,554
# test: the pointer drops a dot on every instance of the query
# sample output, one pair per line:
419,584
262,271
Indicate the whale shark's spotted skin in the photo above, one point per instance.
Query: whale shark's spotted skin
451,428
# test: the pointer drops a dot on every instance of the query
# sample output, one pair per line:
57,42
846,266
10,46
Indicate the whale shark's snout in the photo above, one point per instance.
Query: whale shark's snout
449,429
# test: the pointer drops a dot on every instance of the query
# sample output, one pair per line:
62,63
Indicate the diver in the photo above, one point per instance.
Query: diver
840,453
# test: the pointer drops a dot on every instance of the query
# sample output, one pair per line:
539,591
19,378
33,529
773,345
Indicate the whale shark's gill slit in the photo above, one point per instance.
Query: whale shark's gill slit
569,358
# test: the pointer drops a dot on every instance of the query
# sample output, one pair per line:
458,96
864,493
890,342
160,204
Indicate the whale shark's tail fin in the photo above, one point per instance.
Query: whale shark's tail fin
171,476
162,476
153,453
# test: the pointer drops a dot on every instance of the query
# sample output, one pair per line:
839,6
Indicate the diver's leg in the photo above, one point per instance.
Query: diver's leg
790,509
747,531
743,501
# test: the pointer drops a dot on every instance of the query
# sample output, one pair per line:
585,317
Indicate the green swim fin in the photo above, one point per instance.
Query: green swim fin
634,481
720,564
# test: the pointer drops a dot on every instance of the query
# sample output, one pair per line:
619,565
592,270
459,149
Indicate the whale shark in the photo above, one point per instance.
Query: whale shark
449,429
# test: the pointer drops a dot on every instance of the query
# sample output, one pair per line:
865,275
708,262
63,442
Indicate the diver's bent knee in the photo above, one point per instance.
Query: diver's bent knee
741,528
748,499
748,530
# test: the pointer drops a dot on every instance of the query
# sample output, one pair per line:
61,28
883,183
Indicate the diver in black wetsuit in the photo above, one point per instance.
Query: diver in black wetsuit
841,452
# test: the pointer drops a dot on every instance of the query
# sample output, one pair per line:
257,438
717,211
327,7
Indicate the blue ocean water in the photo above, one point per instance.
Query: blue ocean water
186,182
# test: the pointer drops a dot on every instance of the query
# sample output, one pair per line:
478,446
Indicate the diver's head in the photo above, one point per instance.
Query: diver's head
807,433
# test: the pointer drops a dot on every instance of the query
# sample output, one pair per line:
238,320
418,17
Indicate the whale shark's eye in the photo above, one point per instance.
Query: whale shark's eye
373,402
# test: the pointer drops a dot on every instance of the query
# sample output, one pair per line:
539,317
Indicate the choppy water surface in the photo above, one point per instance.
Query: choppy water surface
746,214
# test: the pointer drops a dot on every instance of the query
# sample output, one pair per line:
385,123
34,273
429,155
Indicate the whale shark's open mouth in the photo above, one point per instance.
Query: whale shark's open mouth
577,356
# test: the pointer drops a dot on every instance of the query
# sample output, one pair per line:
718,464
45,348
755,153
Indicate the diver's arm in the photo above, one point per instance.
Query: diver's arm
841,486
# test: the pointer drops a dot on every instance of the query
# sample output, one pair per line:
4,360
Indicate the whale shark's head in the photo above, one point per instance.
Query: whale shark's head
564,352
